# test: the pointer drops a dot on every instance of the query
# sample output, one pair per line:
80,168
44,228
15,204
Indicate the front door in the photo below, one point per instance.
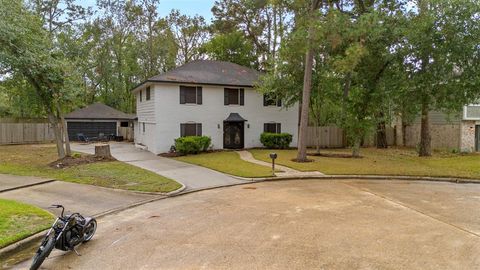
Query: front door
233,135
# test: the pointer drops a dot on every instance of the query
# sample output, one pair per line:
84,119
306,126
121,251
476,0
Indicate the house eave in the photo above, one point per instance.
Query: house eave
189,82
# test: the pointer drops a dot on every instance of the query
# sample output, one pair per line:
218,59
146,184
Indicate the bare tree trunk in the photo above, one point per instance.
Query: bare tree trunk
404,132
317,137
356,147
425,149
307,88
382,134
68,150
58,135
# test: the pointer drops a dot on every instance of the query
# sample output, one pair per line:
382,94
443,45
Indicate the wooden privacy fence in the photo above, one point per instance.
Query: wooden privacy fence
334,137
328,136
18,131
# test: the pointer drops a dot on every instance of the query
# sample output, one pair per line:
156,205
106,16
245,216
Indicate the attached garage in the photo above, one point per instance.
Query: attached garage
99,120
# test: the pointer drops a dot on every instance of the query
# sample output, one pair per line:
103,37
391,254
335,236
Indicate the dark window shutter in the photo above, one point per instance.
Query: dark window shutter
265,100
140,95
182,130
279,128
199,95
182,95
147,94
225,94
265,127
242,96
279,102
199,129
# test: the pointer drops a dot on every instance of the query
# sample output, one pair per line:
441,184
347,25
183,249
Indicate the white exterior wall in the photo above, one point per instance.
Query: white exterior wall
146,114
164,127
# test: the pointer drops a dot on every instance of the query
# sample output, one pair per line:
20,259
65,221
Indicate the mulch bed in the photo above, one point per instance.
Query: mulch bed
74,161
177,154
332,155
303,161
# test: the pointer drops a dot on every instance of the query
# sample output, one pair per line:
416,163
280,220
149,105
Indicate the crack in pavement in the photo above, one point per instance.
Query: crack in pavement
413,209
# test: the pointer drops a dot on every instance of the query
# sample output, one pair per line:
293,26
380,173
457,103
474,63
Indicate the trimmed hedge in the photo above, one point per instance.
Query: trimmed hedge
276,140
192,144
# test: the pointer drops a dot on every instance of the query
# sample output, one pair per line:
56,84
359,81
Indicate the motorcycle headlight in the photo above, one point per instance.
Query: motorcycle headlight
60,225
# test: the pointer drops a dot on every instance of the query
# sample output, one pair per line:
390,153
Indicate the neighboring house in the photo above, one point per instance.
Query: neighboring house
211,98
99,119
459,131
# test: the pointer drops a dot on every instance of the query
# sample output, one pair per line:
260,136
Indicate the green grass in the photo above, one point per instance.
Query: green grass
33,160
393,161
227,162
19,220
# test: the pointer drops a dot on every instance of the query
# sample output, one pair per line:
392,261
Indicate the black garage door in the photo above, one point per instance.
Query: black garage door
90,129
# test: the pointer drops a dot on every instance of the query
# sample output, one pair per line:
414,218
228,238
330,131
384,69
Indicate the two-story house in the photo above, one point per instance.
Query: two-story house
210,98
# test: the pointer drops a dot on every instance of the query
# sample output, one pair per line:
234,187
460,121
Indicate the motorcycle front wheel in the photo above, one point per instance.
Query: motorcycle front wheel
90,230
43,251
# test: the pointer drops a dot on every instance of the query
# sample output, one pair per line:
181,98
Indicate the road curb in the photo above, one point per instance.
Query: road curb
377,177
28,185
178,190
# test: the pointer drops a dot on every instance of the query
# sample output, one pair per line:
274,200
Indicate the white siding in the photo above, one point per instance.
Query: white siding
146,138
170,113
145,114
146,108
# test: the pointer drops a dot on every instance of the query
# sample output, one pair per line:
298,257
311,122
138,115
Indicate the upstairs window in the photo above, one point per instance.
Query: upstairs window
190,94
190,129
268,100
147,93
234,96
272,127
140,95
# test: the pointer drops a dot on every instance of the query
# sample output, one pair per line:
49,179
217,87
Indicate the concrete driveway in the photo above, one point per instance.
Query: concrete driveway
308,224
10,182
192,176
86,199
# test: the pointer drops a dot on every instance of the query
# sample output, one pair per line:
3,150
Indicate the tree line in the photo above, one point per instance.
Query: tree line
354,63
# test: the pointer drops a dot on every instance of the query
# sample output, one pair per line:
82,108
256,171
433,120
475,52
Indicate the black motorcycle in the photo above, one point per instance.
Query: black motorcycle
65,234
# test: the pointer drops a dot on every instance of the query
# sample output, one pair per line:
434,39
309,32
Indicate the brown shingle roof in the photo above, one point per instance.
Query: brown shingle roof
99,111
209,72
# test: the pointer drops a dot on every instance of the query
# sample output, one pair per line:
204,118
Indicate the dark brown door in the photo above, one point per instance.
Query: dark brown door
233,135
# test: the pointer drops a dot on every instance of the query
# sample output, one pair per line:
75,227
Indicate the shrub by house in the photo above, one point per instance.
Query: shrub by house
192,144
276,140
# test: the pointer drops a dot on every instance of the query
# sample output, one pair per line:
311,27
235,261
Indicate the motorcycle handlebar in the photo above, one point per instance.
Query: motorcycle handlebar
58,206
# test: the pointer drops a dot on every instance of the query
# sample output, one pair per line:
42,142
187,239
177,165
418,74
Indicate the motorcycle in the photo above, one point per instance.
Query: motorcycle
66,233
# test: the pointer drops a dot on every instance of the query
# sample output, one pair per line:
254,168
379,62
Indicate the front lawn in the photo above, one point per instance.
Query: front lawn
393,161
33,160
227,162
20,220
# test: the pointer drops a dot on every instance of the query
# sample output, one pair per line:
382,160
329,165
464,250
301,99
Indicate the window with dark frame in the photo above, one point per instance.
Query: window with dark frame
190,129
272,127
123,124
140,95
147,93
268,100
190,94
234,96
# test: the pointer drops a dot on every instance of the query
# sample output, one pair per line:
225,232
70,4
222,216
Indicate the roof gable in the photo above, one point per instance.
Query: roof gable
99,111
210,72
